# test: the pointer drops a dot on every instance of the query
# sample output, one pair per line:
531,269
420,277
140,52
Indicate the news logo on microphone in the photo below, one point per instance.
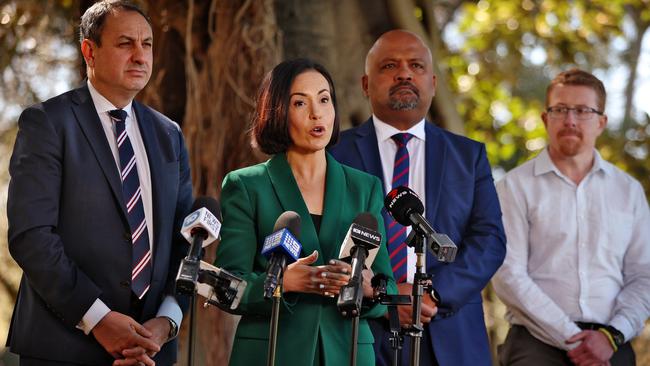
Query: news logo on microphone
282,238
204,219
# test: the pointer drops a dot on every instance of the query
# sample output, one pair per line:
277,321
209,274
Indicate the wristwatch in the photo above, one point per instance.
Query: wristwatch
173,328
435,296
617,336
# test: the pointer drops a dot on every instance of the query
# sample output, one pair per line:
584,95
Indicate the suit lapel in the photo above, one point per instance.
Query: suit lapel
88,120
436,148
368,149
290,198
333,206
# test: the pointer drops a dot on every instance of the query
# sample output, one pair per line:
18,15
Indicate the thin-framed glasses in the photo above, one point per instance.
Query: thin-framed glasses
581,113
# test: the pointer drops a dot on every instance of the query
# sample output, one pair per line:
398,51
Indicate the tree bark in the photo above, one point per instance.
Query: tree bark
210,57
336,34
632,57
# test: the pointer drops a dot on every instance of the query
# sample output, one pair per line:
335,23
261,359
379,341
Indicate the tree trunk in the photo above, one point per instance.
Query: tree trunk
210,58
336,34
632,58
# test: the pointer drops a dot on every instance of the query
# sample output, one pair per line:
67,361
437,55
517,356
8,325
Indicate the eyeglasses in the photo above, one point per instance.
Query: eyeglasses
581,113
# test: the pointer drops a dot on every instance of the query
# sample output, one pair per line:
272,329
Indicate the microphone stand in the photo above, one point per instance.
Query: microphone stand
190,348
352,296
355,339
396,337
420,282
275,316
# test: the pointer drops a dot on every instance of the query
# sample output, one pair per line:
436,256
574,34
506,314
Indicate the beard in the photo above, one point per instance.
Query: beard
569,146
399,101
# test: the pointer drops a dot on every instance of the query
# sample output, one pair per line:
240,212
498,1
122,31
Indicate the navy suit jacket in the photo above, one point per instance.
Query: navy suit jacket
461,201
68,228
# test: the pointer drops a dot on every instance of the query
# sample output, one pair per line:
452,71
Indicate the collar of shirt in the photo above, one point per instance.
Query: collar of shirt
103,105
544,164
385,131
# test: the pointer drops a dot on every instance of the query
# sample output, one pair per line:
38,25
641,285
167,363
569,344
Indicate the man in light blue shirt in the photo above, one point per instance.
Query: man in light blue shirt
576,277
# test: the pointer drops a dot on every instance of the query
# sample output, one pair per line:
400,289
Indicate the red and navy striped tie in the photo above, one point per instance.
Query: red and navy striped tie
132,192
395,232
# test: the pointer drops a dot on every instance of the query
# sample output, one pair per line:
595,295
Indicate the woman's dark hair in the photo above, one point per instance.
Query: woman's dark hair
270,124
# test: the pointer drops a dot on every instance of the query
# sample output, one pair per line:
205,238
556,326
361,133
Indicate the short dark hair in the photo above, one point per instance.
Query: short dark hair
92,21
580,78
270,125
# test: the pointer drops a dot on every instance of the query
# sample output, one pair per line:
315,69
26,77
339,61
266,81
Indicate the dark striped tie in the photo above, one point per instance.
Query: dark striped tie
395,232
132,192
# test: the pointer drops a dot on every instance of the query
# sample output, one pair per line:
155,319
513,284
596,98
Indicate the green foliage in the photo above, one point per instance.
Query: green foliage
37,43
502,54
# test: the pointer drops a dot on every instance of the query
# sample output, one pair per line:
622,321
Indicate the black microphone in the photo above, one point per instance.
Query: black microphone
200,228
281,248
364,237
406,208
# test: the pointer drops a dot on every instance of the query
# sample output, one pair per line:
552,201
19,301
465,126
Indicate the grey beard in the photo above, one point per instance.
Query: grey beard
403,105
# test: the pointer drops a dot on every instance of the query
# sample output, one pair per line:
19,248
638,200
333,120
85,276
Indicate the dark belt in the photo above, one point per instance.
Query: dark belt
590,326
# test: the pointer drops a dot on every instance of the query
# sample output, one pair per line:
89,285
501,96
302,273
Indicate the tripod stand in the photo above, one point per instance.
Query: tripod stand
421,283
396,338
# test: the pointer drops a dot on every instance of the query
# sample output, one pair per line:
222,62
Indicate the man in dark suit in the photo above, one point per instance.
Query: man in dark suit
99,187
452,175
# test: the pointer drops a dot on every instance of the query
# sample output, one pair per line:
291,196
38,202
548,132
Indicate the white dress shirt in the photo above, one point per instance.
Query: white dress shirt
575,252
417,173
98,310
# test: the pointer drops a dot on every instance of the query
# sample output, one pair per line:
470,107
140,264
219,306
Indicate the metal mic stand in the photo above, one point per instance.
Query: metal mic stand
421,281
190,348
275,316
391,301
355,339
396,337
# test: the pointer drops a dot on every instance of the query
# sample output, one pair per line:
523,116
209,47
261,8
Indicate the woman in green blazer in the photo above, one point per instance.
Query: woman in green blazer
295,121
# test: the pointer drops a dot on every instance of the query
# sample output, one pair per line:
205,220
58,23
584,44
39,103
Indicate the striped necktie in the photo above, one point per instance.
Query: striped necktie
132,192
395,232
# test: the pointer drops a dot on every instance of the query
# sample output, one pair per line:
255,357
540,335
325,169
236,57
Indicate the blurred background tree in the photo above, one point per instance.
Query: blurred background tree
493,60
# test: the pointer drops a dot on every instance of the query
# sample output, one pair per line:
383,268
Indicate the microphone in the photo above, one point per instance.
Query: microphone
364,237
281,248
359,232
200,228
406,208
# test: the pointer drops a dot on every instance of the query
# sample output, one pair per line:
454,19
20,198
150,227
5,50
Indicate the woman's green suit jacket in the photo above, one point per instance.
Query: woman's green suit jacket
252,199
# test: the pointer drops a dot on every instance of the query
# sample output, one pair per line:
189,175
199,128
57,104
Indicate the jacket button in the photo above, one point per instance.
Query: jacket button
127,237
125,284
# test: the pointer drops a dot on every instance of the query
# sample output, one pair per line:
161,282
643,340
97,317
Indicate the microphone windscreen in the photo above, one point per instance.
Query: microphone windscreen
289,220
209,203
402,201
366,220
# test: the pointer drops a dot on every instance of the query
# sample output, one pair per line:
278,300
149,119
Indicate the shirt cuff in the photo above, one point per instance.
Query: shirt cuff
95,313
171,309
623,326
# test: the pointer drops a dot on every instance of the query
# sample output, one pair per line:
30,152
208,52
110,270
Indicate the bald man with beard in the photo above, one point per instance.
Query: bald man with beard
452,175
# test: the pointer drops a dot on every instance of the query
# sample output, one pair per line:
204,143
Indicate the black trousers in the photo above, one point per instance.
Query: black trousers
30,361
522,349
